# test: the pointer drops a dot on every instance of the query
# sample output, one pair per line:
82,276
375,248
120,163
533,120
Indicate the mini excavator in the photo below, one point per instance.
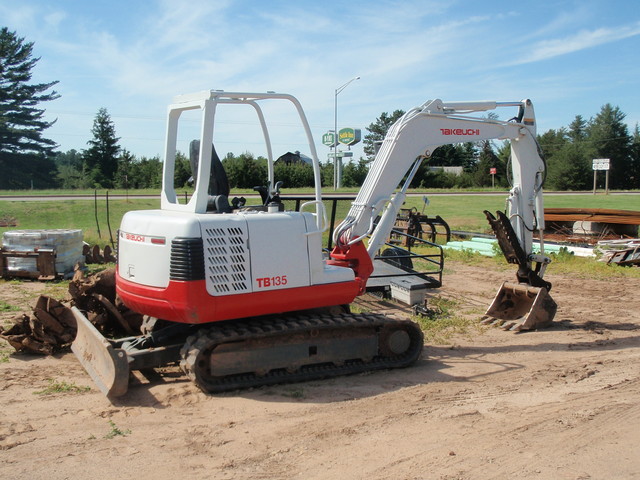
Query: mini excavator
244,296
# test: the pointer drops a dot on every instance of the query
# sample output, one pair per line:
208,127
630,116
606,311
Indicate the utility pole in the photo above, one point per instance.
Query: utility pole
337,162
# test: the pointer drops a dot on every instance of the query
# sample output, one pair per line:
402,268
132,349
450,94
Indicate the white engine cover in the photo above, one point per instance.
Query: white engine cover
244,252
255,251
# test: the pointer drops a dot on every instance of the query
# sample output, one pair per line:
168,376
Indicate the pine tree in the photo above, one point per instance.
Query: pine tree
608,137
577,129
378,130
101,158
25,155
487,160
634,171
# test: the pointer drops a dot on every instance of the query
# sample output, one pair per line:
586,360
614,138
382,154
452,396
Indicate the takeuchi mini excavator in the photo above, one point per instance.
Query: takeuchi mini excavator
244,295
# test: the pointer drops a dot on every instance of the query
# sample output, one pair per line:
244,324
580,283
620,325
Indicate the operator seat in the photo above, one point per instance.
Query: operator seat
218,188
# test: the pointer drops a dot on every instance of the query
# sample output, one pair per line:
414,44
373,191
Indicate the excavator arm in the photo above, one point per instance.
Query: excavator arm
417,134
414,137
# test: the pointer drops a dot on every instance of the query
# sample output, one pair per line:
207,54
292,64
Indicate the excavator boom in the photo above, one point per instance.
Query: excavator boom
416,135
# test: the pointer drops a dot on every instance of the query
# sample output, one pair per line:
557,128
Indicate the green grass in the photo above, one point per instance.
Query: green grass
73,214
62,387
582,267
7,307
465,212
562,264
5,351
14,193
445,319
462,212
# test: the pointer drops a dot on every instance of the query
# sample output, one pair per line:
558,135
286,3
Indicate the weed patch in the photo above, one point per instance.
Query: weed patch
62,387
443,320
6,307
4,353
582,267
116,431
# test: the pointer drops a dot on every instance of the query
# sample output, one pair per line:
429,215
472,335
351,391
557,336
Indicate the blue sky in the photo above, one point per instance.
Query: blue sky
570,57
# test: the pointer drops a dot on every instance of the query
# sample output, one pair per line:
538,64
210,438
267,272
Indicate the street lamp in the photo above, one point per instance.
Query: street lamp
337,163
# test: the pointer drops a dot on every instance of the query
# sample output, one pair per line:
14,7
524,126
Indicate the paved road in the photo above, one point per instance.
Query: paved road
329,195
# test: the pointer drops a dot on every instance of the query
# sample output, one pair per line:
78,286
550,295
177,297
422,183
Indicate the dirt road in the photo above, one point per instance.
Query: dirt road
563,403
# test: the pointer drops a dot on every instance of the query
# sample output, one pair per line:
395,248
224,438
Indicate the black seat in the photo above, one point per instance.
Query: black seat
218,188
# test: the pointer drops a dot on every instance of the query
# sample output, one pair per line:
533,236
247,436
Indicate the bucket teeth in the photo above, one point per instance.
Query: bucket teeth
492,321
512,326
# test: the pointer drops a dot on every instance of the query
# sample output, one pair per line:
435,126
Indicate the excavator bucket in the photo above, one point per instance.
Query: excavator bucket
107,365
518,306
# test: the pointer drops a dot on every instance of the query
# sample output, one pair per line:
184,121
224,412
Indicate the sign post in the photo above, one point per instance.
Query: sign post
493,172
346,136
601,164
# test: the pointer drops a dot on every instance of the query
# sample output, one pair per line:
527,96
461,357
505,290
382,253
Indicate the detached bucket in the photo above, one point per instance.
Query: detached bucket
519,306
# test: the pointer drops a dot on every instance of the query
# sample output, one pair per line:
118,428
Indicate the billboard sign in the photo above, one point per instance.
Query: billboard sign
349,136
329,139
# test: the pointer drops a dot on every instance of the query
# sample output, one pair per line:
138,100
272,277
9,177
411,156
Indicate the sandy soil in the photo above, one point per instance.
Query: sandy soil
562,403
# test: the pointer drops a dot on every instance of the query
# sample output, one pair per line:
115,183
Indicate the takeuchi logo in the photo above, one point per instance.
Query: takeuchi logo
460,131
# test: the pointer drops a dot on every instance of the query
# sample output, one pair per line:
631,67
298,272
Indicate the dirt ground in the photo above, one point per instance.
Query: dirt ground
563,403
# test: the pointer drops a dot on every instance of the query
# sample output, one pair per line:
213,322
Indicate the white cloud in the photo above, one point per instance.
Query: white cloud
406,51
579,41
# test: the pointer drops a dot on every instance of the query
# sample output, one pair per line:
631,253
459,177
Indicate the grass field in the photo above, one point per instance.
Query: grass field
463,212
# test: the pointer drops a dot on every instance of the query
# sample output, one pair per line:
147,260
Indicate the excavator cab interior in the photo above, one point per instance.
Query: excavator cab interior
218,182
219,188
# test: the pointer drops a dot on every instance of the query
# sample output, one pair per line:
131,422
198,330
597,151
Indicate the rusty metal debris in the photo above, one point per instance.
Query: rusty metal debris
43,263
599,215
590,225
620,252
95,255
52,326
8,221
413,224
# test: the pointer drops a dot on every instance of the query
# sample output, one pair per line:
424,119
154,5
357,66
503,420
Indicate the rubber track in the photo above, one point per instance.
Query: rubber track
207,339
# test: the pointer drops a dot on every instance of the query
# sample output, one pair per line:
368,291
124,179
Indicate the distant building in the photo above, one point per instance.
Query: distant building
454,170
293,158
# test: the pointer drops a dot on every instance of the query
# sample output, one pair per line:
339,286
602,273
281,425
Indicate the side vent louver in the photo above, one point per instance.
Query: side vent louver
227,260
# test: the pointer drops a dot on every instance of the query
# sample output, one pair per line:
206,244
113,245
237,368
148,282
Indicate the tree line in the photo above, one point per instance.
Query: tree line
29,160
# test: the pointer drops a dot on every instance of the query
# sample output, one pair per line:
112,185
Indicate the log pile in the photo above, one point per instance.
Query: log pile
51,327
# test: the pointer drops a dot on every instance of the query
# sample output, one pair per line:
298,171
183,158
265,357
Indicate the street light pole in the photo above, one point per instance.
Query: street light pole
336,162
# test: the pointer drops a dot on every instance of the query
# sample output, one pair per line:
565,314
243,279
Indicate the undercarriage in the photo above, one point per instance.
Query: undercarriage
249,353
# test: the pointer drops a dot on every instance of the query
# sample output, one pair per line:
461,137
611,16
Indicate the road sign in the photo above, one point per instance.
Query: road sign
493,171
601,164
329,139
340,154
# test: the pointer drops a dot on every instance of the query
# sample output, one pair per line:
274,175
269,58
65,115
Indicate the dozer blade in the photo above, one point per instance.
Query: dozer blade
518,306
107,365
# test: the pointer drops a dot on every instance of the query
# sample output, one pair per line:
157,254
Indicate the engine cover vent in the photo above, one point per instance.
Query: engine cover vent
227,260
187,259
